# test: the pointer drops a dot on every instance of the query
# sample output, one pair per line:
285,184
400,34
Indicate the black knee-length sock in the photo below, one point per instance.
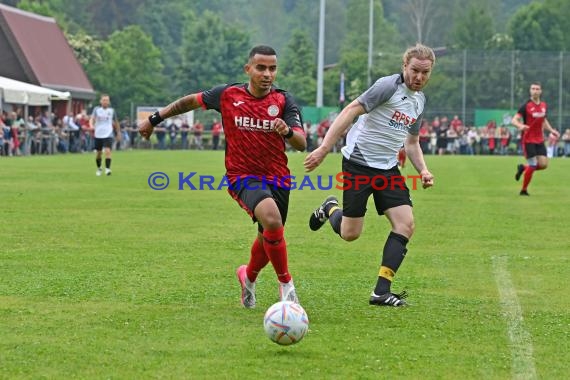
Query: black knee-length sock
392,257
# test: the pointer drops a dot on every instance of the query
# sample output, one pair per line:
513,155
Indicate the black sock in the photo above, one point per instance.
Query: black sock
108,163
98,161
328,208
335,220
392,257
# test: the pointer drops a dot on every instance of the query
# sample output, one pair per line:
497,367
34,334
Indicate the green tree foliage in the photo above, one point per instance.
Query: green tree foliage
426,21
434,22
271,22
500,41
130,70
87,49
487,78
354,51
336,27
562,9
108,16
165,22
444,88
474,29
205,42
505,10
331,89
297,73
38,7
212,53
537,27
423,16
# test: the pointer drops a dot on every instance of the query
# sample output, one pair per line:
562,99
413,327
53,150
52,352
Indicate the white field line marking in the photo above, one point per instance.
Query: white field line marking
520,339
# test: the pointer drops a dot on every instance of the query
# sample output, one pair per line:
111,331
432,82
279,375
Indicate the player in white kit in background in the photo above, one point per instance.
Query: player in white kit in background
103,120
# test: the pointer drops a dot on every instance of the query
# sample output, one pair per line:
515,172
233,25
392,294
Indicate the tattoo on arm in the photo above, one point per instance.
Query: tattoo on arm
180,106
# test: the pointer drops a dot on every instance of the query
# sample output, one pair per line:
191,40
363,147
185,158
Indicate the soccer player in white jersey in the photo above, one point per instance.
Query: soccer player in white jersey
103,120
389,114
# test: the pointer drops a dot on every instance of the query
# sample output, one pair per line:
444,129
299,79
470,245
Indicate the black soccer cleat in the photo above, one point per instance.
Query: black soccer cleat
389,299
520,170
319,216
525,193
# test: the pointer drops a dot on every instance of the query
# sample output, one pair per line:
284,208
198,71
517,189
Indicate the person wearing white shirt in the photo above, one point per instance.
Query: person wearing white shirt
389,115
104,120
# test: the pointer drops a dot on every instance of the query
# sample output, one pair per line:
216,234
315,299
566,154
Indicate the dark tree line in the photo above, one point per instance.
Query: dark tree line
149,52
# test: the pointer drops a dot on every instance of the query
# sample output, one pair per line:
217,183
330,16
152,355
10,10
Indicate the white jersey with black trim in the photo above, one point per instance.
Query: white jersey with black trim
103,122
392,112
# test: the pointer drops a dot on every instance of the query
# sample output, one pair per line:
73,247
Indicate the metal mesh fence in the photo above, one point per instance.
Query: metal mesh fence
465,81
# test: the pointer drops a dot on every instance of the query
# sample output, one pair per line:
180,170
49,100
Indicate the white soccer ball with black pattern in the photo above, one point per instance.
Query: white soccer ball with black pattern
286,323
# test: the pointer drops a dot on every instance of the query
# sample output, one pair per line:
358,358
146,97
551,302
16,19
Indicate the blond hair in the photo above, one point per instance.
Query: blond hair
420,52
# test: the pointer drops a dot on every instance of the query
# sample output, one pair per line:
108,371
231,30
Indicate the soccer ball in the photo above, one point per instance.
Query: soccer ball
286,323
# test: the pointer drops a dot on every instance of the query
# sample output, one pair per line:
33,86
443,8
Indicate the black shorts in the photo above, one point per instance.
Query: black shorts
387,186
441,142
252,191
106,142
532,150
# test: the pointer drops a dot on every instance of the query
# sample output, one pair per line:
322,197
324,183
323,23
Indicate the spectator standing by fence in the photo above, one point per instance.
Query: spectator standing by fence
216,133
197,131
566,139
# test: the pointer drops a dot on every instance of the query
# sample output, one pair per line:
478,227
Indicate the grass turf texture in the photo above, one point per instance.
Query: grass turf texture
102,277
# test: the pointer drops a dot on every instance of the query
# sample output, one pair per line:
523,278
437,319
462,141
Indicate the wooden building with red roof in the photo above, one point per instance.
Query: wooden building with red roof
33,49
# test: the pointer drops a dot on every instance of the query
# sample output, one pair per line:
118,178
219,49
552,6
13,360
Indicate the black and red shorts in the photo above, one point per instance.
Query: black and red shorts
251,191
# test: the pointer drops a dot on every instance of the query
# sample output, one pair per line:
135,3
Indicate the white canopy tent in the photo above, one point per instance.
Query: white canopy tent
16,92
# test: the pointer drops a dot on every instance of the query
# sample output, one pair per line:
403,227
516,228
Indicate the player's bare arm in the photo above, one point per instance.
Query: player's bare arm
416,156
546,125
342,122
295,139
117,127
517,122
179,106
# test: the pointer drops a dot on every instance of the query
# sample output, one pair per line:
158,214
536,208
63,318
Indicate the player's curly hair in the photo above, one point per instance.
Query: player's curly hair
420,52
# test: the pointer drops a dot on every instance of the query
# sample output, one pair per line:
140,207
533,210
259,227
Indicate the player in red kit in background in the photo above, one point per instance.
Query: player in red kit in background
257,119
531,120
402,157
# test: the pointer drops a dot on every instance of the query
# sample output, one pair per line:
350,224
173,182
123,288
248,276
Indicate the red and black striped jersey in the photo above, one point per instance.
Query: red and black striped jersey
253,148
533,115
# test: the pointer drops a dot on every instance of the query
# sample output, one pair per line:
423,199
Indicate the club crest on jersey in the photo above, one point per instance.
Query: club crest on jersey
273,110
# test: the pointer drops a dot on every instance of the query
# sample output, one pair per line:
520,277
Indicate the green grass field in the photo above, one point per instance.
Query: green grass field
102,277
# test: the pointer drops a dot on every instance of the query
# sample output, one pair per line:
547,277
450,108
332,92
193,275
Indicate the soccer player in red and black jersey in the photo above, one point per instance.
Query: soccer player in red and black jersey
531,121
258,119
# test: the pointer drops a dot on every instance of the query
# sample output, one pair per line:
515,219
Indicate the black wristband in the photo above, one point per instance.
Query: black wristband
155,119
289,134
